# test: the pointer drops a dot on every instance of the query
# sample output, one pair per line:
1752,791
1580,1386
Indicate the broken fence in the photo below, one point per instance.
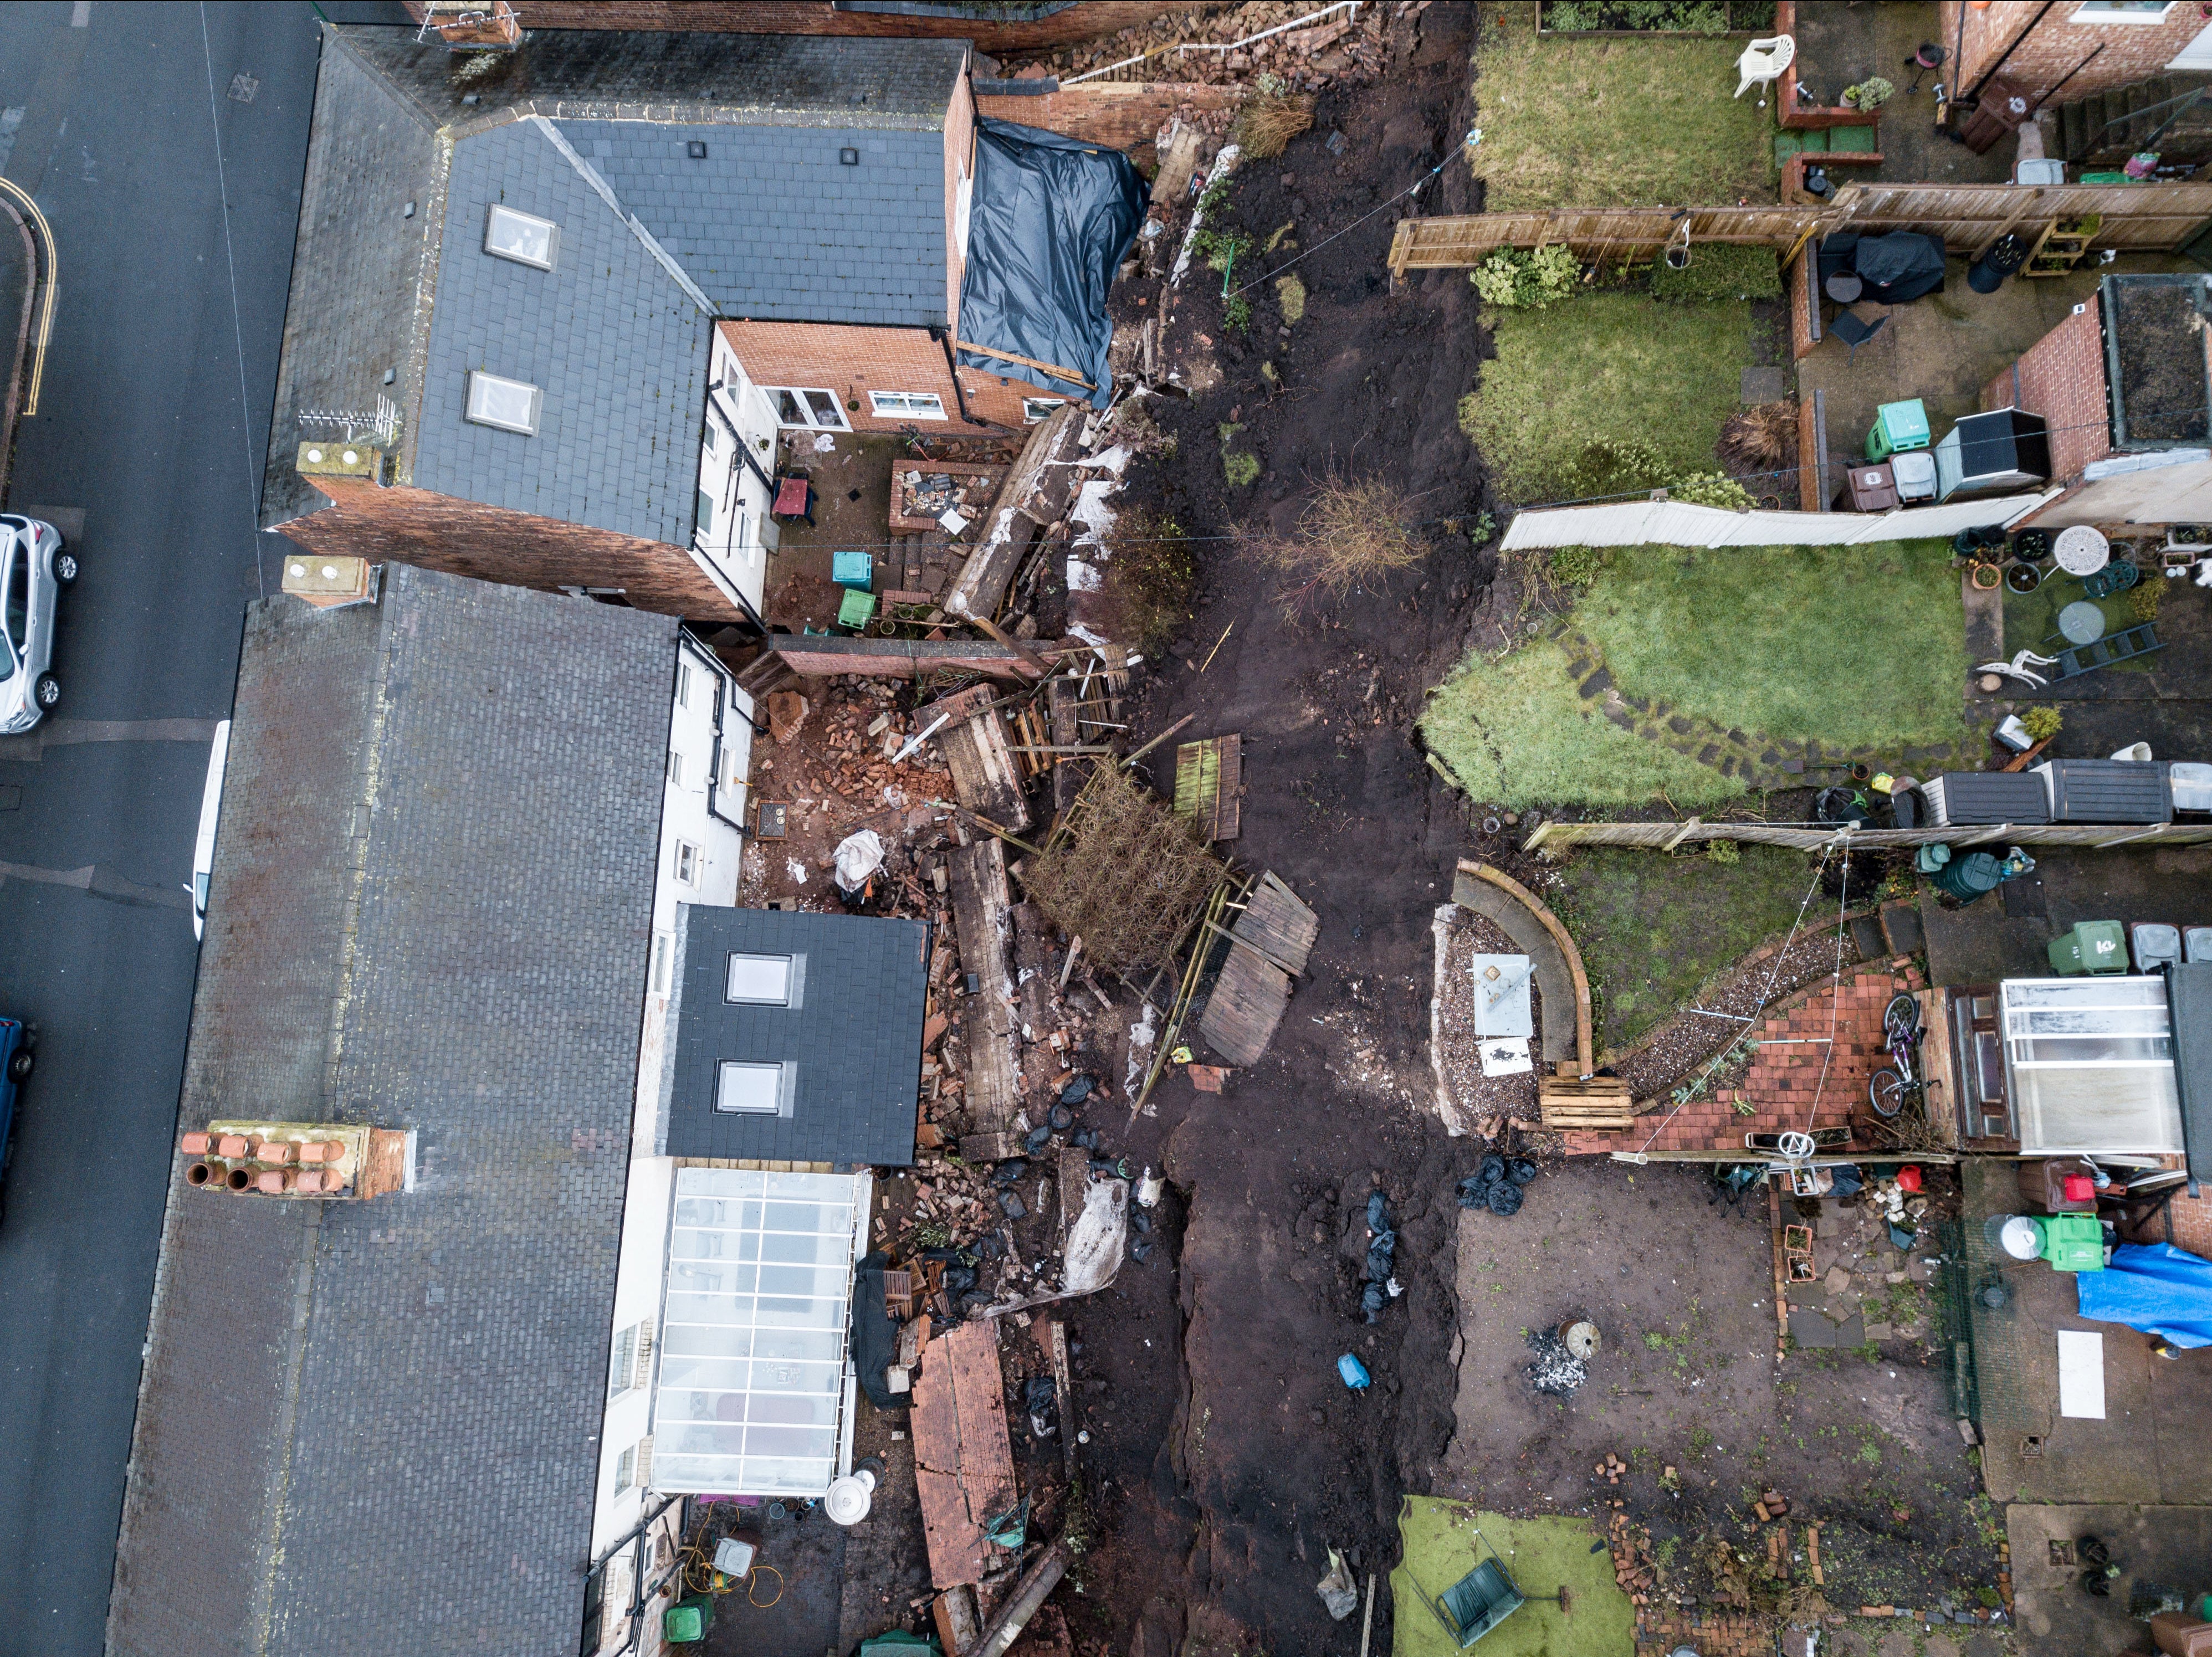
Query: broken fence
1667,837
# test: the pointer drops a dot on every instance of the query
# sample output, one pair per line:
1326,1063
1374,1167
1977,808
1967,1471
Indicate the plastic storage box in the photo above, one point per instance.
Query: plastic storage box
2192,785
2073,1243
1990,797
2155,943
1914,473
1898,426
2107,791
852,569
858,609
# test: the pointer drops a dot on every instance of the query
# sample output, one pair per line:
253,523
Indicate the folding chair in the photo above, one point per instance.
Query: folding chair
1854,333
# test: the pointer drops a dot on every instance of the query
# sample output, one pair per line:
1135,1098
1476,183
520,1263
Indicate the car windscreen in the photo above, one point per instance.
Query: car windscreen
17,609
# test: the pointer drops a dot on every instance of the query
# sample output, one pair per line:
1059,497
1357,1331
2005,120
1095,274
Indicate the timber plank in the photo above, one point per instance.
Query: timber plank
981,903
963,1464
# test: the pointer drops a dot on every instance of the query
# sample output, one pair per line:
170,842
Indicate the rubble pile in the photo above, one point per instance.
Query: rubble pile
1338,48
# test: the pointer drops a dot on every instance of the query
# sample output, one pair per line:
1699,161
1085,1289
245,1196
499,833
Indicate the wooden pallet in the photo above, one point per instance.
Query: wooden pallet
1600,1103
1210,785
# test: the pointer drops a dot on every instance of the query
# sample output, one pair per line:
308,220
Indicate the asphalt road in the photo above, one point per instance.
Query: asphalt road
121,120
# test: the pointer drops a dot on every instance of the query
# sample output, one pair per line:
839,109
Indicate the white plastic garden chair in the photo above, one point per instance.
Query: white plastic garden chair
1763,62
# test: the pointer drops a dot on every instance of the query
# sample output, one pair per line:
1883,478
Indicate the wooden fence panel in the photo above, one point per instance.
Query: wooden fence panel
1680,524
1966,216
1663,836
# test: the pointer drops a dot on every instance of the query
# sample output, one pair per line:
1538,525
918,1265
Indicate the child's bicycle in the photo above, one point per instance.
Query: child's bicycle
1889,1091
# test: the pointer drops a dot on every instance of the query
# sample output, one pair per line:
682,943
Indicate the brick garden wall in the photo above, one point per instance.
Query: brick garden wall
2056,44
466,537
2061,378
1113,114
1088,21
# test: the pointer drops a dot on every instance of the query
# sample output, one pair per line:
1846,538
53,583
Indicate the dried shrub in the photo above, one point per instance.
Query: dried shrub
1268,121
1128,876
1151,574
1762,439
1350,533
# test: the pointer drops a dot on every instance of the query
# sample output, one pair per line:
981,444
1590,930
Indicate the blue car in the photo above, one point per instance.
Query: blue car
16,1038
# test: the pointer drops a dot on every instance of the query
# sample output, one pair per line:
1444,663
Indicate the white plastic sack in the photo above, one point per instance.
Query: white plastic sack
1095,1240
859,856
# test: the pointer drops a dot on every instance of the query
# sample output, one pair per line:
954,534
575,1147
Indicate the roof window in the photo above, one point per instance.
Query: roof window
517,236
764,981
510,404
745,1088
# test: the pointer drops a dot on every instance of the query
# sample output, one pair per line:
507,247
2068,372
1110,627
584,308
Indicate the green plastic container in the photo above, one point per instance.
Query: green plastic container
1898,426
685,1623
1970,876
2072,1242
849,568
2091,947
857,610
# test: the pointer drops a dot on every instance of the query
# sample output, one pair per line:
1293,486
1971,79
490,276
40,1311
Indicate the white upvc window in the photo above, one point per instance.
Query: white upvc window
2120,11
746,1087
664,948
675,768
686,863
808,408
1035,408
910,406
634,1467
512,405
683,684
521,237
630,1364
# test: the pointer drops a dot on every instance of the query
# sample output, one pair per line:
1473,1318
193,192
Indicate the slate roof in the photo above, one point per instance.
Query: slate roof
855,1037
774,228
371,1427
777,227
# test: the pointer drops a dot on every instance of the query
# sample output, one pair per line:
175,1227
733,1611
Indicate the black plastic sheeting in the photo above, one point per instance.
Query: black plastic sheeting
875,1337
1049,220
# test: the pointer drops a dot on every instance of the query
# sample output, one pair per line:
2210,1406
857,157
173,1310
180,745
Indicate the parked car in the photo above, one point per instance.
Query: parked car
34,569
203,847
16,1038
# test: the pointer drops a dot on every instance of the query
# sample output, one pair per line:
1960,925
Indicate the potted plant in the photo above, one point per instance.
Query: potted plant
2022,578
1870,93
1986,576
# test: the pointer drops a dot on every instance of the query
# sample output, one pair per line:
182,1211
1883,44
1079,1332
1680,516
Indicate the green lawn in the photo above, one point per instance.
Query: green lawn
1541,1556
1617,366
1857,647
1619,122
1720,666
1652,929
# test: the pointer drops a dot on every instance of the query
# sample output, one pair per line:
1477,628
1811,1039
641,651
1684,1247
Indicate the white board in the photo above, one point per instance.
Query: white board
1501,995
2081,1374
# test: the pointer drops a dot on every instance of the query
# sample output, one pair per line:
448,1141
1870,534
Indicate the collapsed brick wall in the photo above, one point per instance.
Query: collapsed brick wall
2051,45
1086,20
1113,114
2061,378
492,544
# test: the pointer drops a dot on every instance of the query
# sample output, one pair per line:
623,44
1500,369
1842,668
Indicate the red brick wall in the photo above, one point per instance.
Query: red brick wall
960,163
851,360
2061,378
1113,114
1089,20
2054,46
466,537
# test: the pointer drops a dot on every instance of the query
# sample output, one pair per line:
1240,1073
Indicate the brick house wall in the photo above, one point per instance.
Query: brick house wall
2052,46
1089,20
2061,378
851,359
493,543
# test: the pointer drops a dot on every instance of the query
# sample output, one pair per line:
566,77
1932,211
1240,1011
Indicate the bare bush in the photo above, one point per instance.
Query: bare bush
1350,533
1128,876
1268,121
1762,439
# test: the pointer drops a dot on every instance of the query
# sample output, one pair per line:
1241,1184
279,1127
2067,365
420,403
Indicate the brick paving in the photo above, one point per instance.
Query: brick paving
1784,1083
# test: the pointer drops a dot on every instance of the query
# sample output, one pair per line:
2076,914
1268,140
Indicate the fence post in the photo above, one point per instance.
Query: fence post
1683,833
1537,836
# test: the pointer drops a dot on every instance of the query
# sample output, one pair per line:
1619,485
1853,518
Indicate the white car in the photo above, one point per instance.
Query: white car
34,569
203,847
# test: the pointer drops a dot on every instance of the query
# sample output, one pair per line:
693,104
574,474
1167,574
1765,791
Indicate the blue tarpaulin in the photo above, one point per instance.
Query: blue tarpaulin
2156,1287
1051,221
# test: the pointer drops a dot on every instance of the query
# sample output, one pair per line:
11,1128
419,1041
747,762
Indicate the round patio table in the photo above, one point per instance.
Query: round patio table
1843,286
2081,551
2081,623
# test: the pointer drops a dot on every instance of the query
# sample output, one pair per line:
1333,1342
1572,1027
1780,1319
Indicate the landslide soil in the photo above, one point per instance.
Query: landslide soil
1226,1456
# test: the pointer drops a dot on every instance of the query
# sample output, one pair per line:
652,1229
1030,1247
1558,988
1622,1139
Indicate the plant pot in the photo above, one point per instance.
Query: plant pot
2021,578
1986,576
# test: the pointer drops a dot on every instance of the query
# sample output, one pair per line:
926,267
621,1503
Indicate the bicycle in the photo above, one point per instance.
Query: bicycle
1891,1089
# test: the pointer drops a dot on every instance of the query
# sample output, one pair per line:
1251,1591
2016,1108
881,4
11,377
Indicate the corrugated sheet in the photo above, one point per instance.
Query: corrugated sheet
1677,524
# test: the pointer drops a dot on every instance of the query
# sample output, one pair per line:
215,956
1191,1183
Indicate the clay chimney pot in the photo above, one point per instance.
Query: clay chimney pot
278,1151
200,1174
269,1184
197,1144
233,1144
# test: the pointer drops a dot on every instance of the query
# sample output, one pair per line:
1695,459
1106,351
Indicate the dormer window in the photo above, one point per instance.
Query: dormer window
521,237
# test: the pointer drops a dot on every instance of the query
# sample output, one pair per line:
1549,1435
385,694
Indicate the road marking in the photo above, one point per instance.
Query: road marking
97,882
61,733
81,14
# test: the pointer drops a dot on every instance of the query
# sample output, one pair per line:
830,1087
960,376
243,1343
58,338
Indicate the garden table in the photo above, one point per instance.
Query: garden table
2081,623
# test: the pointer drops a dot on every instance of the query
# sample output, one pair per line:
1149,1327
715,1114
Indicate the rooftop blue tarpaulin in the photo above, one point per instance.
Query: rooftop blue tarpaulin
1052,218
2156,1287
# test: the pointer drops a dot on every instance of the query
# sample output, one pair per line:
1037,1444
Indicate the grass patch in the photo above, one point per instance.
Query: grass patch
1613,122
1151,578
1653,930
1617,368
1440,1547
1854,646
1516,733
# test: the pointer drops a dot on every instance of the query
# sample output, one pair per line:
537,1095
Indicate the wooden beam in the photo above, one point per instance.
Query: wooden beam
1052,368
1683,833
1030,659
